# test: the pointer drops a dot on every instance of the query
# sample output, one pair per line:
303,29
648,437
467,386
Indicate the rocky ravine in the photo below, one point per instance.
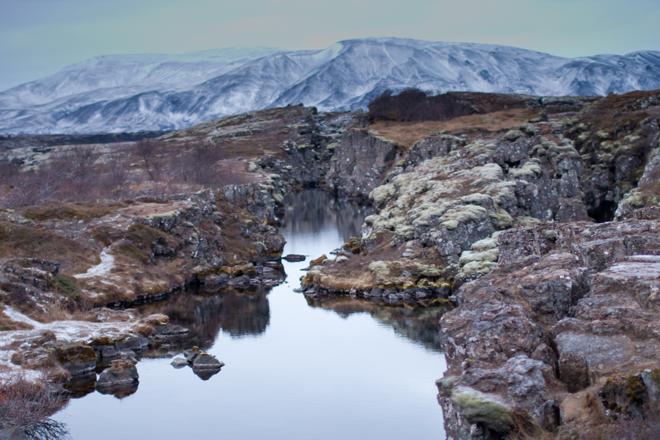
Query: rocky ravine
488,208
196,208
554,330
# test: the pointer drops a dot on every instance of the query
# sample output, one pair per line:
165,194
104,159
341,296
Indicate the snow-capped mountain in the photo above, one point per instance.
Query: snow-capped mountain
159,92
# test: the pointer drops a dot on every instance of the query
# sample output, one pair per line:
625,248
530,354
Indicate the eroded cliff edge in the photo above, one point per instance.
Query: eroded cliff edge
538,220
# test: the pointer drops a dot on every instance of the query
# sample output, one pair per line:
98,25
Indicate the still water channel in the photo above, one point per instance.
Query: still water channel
293,370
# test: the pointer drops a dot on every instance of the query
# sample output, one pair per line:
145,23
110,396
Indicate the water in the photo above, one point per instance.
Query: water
292,371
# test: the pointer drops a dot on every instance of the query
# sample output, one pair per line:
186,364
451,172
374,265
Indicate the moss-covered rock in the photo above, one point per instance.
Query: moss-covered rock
484,409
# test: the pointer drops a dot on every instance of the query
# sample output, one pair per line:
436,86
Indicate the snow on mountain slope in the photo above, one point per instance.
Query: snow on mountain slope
143,71
159,92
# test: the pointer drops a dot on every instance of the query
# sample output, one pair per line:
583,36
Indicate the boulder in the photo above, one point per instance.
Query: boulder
206,365
78,359
179,362
120,378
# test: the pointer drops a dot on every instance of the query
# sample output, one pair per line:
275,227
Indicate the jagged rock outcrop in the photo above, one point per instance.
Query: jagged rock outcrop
431,212
450,194
579,302
554,327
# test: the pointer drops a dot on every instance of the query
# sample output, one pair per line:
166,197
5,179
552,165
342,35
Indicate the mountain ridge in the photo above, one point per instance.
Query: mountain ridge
176,91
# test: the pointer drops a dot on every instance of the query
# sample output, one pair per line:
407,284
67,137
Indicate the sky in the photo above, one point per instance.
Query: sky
38,37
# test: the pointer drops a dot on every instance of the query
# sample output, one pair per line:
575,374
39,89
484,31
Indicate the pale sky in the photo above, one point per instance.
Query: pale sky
38,37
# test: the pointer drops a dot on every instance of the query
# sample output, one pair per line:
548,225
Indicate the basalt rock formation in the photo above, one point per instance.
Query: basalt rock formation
540,224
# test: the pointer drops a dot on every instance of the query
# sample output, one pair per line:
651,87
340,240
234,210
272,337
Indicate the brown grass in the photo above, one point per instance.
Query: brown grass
69,211
621,111
140,240
407,133
24,241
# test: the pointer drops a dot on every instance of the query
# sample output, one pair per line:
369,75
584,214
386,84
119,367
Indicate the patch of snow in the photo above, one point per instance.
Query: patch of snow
17,316
105,266
65,331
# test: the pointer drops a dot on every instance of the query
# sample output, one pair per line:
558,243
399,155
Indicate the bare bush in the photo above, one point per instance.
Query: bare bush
25,407
74,175
415,105
82,174
147,150
9,169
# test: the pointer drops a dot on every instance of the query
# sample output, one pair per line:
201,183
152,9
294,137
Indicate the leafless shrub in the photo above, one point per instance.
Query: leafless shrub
415,105
9,169
147,150
25,407
82,174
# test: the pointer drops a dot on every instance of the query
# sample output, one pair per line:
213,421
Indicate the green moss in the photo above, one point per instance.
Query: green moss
462,214
477,199
485,243
66,285
501,219
381,193
485,255
635,390
529,169
380,269
477,267
478,407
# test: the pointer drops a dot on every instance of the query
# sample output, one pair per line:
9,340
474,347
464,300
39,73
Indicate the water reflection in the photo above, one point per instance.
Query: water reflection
340,369
235,313
312,211
419,324
47,429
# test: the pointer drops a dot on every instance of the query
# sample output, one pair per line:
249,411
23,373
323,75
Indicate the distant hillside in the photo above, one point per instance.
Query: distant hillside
162,92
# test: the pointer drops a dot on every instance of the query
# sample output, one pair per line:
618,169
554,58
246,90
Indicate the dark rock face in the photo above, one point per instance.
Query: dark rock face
27,283
359,163
432,146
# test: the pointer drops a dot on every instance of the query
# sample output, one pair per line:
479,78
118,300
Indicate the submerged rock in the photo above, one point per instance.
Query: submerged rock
179,362
292,258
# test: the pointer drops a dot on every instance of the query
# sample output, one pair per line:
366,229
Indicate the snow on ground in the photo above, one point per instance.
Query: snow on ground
65,331
105,266
17,316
